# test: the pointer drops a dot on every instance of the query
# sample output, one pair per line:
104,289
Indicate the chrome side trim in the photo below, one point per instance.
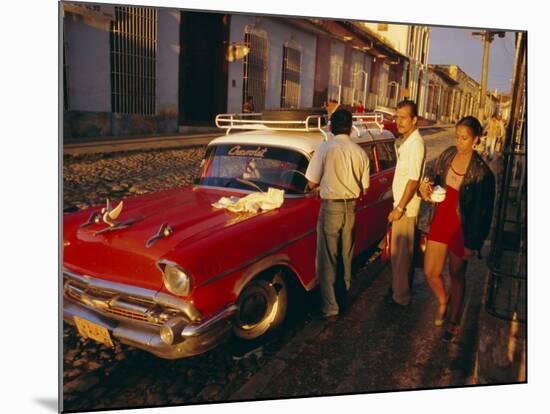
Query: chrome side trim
196,330
258,258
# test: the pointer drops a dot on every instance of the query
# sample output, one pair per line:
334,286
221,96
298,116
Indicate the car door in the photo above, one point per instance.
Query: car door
364,218
385,155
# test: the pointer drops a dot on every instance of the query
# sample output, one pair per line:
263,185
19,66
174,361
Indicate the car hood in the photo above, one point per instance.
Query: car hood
122,255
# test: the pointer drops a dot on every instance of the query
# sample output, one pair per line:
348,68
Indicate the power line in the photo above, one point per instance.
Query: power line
508,54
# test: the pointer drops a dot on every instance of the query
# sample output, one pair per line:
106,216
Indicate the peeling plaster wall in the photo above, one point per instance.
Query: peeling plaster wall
89,80
168,69
277,34
88,63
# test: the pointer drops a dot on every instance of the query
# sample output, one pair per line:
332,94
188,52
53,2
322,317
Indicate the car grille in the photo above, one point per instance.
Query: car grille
117,305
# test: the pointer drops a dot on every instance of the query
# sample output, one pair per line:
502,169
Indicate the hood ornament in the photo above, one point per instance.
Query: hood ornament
164,231
119,225
110,214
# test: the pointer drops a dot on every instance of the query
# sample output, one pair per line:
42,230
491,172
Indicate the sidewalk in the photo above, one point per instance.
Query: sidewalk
137,143
145,142
374,347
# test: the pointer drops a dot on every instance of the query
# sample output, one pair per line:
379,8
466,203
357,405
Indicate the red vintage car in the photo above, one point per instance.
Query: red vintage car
169,273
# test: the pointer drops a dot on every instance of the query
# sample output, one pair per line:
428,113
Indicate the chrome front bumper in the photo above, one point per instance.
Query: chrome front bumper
197,337
92,304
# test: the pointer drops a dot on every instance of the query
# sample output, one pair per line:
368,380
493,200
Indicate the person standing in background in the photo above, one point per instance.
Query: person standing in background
494,131
248,106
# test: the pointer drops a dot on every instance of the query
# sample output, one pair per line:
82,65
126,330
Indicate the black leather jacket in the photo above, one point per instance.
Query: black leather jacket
476,199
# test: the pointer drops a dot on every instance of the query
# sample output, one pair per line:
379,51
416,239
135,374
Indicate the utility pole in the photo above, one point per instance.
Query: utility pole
487,37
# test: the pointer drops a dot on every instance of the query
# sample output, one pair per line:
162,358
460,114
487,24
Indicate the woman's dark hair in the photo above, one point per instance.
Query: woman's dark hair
472,123
341,122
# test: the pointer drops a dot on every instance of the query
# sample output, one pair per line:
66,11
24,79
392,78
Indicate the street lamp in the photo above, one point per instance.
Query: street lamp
236,51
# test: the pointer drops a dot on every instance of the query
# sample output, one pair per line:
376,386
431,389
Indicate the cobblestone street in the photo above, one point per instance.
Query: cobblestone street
98,377
89,178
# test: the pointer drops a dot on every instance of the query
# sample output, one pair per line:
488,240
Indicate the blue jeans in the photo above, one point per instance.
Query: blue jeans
335,240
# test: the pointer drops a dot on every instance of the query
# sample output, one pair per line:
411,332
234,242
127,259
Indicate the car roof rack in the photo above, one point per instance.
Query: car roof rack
312,123
369,118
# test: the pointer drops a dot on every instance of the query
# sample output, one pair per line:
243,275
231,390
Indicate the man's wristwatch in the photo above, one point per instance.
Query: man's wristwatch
401,210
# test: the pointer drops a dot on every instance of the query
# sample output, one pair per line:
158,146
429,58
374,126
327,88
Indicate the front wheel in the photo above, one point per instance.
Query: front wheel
262,307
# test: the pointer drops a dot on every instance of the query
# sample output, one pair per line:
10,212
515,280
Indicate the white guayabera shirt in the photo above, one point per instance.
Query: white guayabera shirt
411,157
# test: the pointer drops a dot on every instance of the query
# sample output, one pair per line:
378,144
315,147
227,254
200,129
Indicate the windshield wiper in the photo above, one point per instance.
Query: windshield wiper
241,181
249,183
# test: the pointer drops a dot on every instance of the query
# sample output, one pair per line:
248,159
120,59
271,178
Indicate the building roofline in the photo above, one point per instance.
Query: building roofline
446,68
442,74
380,45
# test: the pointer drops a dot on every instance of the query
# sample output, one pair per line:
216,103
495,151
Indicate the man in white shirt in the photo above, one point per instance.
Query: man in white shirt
341,169
406,204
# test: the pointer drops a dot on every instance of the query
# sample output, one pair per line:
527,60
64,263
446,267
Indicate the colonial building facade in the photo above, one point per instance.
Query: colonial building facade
139,70
453,94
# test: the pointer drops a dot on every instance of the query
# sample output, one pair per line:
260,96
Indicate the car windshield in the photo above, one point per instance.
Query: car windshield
254,167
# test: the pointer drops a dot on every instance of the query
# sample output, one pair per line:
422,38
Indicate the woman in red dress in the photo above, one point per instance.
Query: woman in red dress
461,222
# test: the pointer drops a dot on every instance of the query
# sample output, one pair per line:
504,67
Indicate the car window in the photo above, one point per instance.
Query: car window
254,167
385,158
390,146
368,149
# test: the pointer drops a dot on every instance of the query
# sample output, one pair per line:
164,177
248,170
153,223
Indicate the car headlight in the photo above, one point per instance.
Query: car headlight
175,279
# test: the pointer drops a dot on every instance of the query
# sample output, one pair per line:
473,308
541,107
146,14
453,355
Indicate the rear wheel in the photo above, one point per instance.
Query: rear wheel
262,306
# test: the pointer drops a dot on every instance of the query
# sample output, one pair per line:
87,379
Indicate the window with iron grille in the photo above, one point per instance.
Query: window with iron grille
335,80
357,77
431,96
255,68
133,60
383,81
290,88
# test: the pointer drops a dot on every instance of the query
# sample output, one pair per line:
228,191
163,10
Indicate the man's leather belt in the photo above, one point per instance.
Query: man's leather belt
339,200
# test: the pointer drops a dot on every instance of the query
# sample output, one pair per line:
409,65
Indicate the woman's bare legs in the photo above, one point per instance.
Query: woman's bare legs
434,261
457,269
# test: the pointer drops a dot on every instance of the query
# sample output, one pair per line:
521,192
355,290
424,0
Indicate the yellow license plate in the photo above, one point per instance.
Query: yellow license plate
93,331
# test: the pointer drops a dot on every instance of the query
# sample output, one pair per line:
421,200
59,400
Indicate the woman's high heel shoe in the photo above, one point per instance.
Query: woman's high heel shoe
452,332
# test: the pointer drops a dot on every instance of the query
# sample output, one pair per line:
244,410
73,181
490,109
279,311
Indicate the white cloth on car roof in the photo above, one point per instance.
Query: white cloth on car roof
253,202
